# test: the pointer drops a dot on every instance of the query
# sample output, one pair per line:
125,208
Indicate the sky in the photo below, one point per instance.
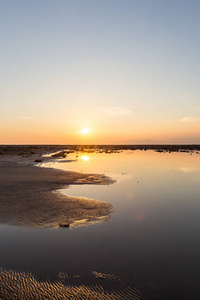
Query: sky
126,70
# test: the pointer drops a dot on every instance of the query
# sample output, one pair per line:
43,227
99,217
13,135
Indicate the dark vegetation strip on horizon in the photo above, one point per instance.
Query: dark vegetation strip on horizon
32,149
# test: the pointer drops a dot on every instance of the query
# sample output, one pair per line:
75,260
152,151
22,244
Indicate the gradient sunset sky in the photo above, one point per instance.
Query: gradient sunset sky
127,70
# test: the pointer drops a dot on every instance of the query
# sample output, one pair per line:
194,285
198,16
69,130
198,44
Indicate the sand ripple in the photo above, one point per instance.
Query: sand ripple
19,285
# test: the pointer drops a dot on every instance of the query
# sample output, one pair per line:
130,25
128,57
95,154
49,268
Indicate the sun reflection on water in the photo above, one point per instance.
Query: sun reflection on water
85,157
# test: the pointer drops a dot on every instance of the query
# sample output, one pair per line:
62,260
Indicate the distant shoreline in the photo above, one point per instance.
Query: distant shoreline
31,150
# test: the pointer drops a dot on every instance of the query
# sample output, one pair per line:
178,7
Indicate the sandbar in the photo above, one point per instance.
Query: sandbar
30,196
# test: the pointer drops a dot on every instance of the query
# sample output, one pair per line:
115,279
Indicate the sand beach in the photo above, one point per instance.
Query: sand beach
30,194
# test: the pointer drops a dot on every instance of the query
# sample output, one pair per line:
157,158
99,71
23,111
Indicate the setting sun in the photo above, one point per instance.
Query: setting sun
85,130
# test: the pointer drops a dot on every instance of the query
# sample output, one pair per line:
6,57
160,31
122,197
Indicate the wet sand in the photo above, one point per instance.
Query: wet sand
29,195
20,285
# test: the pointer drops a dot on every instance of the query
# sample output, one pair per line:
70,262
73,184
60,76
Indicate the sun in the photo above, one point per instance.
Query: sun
85,130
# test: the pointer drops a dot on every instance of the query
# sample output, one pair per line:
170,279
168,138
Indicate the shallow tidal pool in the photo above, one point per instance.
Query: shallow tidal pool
149,249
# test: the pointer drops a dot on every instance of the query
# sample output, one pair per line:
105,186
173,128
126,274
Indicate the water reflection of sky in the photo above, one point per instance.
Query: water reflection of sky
139,174
152,242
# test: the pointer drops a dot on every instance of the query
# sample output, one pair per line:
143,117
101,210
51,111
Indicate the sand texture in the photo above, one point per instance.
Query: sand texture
29,197
20,285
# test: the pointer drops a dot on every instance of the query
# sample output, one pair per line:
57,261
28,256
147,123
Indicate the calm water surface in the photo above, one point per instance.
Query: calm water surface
151,246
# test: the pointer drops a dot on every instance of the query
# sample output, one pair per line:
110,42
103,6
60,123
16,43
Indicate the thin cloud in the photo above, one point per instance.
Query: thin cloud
189,169
189,119
115,111
142,141
26,118
197,108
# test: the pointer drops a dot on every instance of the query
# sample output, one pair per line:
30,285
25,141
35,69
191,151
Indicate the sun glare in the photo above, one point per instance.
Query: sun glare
85,130
85,157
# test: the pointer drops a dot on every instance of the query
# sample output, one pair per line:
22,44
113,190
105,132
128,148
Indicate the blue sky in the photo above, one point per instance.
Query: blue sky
128,70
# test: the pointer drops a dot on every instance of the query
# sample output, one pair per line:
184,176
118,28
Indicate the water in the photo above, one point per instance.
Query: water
150,247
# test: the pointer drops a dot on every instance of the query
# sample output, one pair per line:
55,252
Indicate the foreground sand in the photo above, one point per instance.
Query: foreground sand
19,285
29,196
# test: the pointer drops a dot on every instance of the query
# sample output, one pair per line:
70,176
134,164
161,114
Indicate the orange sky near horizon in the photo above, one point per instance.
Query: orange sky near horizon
29,131
128,71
